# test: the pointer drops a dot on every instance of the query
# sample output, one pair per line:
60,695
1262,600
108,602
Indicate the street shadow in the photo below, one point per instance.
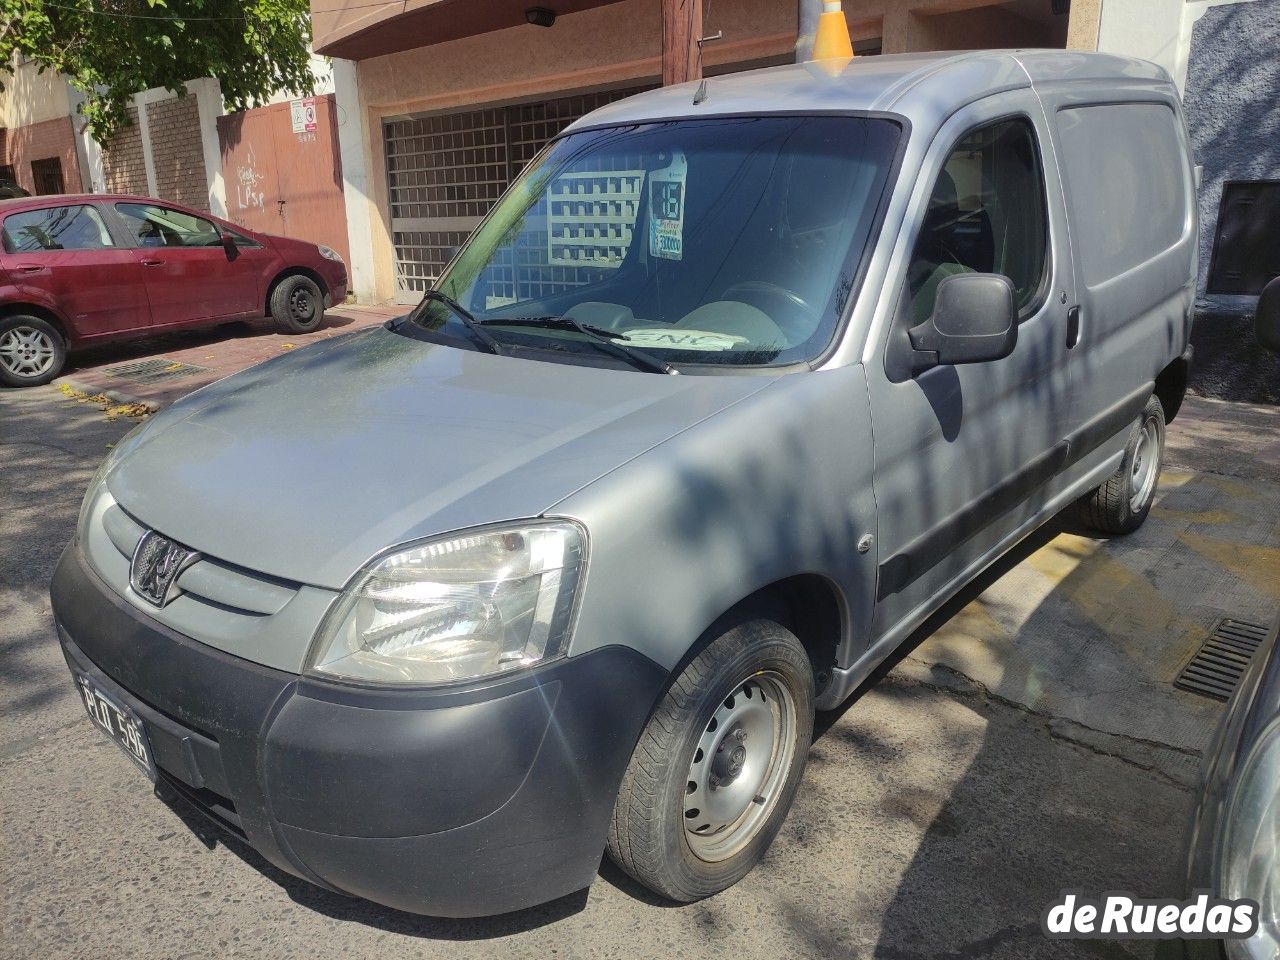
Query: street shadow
49,448
1046,802
1062,523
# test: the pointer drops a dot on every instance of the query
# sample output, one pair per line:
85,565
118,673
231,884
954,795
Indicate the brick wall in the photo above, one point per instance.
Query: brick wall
40,141
123,166
177,153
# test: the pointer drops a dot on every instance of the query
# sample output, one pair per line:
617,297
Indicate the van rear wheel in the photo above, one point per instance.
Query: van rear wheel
1121,504
718,765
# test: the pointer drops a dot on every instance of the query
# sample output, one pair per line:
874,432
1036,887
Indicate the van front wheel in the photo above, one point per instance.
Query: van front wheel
718,765
1121,504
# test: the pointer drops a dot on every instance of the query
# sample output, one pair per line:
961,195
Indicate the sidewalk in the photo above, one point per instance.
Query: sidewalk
158,370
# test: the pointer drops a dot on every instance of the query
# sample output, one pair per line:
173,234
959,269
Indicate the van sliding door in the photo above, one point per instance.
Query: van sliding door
1131,208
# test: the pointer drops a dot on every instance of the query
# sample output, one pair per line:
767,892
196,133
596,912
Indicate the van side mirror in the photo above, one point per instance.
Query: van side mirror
229,246
975,319
1266,321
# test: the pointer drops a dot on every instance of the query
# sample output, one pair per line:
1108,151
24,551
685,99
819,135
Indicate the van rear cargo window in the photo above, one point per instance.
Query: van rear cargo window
1126,180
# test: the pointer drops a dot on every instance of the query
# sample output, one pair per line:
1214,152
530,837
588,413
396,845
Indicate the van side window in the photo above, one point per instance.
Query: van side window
986,215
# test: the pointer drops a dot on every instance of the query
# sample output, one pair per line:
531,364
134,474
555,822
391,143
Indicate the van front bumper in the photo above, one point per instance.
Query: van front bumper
470,801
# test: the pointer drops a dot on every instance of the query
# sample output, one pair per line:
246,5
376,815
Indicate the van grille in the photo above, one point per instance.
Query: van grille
208,580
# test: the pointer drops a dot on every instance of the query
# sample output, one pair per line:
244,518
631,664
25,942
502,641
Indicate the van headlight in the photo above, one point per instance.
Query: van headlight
1251,846
474,604
118,450
329,253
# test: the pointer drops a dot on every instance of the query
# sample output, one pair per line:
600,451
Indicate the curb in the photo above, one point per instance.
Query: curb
115,396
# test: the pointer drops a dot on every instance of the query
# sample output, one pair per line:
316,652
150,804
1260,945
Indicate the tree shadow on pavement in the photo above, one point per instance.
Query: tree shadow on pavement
49,448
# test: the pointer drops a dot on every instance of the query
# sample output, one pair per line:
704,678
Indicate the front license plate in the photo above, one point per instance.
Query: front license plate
118,722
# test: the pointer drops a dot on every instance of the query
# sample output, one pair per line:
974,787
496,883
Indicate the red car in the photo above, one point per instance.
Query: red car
80,270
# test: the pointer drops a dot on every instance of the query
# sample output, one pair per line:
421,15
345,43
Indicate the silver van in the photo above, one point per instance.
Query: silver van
736,385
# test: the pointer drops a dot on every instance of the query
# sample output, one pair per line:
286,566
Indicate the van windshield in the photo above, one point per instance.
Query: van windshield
727,241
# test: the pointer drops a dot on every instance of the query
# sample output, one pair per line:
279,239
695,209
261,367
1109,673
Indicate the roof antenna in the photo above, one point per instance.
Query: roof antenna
701,93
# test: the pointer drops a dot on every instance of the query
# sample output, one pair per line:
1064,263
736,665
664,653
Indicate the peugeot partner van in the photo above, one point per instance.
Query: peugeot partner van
735,386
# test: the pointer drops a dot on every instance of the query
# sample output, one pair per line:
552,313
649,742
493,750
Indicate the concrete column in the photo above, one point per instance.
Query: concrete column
209,106
353,146
806,27
1142,28
88,150
895,35
1082,27
140,100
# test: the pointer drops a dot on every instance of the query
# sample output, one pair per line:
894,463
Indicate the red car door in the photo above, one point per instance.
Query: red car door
65,257
189,277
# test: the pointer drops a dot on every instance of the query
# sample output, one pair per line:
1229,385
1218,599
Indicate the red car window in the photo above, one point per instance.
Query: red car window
55,228
156,226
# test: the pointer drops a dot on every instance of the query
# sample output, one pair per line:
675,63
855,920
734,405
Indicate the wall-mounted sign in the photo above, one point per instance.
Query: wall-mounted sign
303,114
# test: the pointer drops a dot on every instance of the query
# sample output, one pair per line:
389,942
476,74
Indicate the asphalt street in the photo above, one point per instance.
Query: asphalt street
1028,741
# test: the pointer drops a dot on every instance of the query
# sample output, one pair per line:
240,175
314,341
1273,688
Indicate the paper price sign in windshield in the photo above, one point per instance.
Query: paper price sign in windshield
666,210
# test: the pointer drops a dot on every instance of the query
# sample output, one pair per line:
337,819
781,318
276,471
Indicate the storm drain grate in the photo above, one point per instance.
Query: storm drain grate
1218,666
157,368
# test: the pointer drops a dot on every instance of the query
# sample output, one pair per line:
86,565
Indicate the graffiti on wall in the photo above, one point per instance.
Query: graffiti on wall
248,194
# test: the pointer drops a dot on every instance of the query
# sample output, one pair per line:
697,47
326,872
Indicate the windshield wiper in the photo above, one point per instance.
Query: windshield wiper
470,322
601,336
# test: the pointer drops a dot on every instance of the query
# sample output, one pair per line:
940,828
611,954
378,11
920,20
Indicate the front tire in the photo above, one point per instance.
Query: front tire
297,305
32,351
717,766
1121,504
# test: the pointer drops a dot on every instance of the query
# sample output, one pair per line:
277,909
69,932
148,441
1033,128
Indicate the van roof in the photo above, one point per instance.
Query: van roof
922,86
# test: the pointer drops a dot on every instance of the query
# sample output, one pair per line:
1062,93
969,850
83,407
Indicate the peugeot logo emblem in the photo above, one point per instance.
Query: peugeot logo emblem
157,564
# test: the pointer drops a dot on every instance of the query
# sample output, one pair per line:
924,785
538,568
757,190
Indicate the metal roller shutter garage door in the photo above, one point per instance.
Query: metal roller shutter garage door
444,172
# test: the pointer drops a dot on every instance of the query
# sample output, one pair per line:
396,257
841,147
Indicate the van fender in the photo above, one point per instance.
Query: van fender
776,486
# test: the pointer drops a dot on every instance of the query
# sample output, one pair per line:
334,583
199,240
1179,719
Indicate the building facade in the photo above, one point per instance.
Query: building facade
274,168
443,102
1225,57
168,149
38,147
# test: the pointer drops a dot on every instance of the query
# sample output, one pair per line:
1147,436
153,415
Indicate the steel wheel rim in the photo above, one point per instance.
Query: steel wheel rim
1146,465
739,767
301,304
27,352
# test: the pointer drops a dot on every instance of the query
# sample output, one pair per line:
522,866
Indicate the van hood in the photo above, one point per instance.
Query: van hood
308,465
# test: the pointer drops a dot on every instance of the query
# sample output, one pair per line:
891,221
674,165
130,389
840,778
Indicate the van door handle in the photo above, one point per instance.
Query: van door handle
153,263
1073,326
28,268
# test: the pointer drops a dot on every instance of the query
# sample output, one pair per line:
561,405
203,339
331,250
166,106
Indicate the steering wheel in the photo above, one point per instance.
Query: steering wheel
786,308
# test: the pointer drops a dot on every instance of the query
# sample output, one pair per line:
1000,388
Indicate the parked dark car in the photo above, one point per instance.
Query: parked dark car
10,189
77,270
1235,836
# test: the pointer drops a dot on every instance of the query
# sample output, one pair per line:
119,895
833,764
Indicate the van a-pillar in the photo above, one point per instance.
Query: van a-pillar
681,28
